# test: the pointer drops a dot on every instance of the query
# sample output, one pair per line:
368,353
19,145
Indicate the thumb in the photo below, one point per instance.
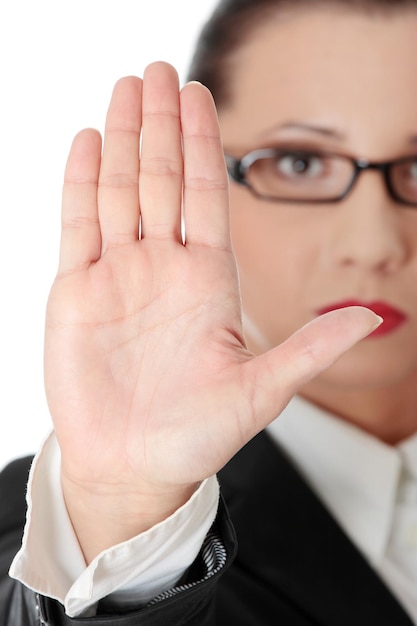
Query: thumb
274,377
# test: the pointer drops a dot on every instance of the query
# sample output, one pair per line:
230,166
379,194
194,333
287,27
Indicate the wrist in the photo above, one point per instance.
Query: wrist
105,515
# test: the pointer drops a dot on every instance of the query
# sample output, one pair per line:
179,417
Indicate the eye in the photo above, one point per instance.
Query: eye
403,180
413,170
299,165
406,172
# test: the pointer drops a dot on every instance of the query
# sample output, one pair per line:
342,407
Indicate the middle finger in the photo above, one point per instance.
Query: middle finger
161,164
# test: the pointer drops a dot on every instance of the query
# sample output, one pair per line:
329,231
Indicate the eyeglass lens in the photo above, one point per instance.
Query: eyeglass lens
308,176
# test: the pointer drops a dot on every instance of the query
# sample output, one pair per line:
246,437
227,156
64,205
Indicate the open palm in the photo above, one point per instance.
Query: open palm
147,375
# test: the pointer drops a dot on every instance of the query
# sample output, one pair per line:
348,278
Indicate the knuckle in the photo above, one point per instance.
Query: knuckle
118,180
204,183
78,221
160,166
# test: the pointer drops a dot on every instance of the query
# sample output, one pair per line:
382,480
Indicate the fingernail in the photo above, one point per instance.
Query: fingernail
378,321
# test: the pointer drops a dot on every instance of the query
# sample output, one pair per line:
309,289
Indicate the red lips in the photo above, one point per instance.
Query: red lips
393,318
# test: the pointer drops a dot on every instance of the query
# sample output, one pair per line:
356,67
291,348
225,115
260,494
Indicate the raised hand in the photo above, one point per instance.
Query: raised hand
149,383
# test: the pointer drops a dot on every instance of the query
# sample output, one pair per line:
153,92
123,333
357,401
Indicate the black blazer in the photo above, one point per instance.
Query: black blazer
294,565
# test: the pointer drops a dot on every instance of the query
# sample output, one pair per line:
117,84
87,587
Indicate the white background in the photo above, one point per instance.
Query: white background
59,61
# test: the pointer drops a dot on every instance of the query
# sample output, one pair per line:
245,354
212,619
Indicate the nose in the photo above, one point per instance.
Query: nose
368,228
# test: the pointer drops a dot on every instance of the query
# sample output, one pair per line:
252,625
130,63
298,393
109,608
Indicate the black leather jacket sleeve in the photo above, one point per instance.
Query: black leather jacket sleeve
191,603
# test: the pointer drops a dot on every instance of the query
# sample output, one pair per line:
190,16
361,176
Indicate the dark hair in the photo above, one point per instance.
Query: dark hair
232,21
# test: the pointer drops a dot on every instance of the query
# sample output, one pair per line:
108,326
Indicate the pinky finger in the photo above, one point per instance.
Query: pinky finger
80,235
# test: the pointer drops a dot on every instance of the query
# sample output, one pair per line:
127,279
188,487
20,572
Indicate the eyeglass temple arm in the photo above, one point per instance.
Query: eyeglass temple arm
234,169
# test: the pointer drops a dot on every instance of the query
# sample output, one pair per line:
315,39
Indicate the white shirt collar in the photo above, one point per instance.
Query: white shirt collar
408,451
355,474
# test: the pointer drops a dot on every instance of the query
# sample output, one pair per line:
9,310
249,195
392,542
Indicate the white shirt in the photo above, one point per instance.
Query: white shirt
370,488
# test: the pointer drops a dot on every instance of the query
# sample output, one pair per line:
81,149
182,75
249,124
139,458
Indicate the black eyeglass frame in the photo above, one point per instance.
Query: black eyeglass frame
238,168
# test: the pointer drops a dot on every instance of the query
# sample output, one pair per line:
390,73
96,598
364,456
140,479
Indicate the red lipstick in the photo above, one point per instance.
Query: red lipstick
393,318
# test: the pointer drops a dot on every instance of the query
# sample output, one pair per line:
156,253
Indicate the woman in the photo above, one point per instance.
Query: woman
152,387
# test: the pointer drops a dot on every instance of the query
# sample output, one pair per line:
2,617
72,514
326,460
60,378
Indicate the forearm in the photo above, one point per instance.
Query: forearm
191,603
192,597
51,561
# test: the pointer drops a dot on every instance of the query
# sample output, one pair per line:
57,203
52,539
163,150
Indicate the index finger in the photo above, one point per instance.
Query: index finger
206,188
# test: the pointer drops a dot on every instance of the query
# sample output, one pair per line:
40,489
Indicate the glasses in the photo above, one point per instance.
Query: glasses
317,177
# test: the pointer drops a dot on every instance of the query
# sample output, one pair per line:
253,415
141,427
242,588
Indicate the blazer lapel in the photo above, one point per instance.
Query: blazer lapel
290,544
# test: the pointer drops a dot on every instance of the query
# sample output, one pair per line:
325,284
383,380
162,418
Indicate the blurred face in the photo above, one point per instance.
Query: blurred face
340,82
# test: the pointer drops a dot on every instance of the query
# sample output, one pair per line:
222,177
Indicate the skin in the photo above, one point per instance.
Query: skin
150,385
359,99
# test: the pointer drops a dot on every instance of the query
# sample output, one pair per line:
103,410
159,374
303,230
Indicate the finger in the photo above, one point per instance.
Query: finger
276,375
206,198
80,235
118,195
160,180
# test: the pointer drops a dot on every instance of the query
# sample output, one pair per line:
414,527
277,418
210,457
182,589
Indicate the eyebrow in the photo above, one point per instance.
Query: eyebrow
312,128
324,131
